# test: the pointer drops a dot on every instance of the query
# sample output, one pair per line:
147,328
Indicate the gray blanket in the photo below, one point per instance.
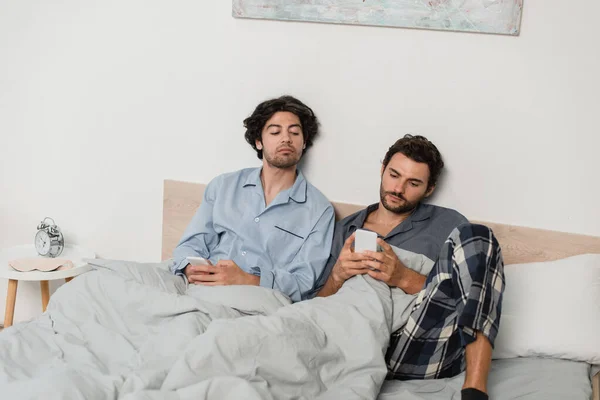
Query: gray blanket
131,331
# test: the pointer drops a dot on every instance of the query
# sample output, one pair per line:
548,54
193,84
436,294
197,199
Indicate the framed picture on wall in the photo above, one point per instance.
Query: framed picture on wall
482,16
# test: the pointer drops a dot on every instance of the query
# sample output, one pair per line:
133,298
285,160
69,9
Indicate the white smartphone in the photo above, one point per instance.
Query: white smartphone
365,240
197,261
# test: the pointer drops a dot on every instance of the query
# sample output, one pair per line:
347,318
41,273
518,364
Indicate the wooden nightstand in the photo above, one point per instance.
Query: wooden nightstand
74,253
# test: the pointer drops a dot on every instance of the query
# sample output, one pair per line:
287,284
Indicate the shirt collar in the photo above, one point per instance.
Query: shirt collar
422,213
253,178
360,219
297,192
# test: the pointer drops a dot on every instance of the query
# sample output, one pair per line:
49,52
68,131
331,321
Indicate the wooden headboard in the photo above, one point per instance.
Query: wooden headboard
519,244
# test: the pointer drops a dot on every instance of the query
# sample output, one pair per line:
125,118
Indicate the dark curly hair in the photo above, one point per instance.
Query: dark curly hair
419,149
255,123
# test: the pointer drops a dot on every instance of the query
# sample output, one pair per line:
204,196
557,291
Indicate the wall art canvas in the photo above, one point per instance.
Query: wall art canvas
484,16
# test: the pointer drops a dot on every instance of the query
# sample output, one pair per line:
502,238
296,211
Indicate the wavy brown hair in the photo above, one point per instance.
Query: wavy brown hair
419,149
255,123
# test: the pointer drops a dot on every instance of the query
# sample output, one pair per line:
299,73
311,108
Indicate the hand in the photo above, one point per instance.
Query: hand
386,265
348,263
193,272
226,272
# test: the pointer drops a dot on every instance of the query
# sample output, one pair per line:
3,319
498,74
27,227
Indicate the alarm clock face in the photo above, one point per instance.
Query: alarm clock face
42,243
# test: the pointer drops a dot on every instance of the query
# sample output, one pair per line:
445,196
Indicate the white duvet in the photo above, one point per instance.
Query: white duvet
134,331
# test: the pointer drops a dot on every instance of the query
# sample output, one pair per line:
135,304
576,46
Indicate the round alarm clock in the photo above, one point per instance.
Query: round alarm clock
49,240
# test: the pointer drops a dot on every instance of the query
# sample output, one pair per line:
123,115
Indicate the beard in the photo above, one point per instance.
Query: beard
282,161
402,208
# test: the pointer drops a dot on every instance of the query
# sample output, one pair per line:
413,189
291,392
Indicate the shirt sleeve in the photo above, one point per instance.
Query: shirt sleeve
339,237
199,237
297,279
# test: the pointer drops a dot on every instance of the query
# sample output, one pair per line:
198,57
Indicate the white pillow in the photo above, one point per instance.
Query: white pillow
552,309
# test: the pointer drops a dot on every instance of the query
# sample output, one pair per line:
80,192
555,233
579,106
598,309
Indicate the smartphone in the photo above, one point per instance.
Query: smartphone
197,261
365,240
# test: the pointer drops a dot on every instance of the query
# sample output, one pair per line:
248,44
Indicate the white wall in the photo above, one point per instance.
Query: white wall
101,101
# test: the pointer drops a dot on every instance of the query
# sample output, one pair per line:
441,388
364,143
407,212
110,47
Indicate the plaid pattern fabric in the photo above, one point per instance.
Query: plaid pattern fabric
462,294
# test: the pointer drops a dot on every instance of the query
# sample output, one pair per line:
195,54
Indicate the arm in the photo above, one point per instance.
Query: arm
298,278
326,286
331,286
389,269
226,273
347,265
410,282
199,237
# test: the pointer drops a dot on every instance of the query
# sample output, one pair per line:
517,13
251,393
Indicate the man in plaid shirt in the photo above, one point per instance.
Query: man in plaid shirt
447,274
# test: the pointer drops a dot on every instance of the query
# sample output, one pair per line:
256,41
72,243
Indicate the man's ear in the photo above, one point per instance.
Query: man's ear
382,170
258,144
429,191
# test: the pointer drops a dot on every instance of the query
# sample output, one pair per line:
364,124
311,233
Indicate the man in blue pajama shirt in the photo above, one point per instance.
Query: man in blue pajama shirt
265,226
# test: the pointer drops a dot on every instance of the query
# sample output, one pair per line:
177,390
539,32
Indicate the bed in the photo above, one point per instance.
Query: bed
134,331
528,378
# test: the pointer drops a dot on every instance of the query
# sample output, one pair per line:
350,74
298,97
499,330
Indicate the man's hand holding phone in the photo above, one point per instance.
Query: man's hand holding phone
386,266
349,263
196,268
201,272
